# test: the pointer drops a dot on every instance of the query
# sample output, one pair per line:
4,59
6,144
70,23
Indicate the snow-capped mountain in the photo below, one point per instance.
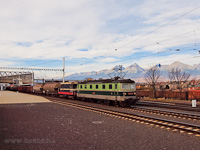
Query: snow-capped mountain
136,72
176,64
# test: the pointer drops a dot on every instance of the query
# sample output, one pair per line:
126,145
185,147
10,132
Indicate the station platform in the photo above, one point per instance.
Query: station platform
10,97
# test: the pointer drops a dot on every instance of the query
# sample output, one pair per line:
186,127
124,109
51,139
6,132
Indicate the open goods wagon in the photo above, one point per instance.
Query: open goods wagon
25,89
194,94
186,95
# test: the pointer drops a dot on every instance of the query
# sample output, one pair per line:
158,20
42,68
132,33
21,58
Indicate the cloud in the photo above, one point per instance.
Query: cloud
165,60
104,32
4,63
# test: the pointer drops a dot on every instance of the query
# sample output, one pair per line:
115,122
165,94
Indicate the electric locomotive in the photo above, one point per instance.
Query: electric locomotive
68,89
111,91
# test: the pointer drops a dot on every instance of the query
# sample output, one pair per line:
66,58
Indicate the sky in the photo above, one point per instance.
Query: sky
93,35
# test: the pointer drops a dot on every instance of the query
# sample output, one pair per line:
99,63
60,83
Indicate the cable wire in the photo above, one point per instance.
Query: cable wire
160,27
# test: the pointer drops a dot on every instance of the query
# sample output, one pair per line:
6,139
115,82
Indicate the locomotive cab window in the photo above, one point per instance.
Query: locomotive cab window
65,86
110,86
128,86
74,86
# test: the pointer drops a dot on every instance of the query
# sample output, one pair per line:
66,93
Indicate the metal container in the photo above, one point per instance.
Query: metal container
143,93
25,89
163,94
14,88
20,89
51,88
28,89
38,88
194,94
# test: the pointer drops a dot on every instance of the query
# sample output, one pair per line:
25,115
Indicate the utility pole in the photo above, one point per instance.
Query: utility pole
63,69
120,66
32,78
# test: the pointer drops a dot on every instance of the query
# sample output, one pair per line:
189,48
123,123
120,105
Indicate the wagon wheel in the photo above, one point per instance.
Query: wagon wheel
122,104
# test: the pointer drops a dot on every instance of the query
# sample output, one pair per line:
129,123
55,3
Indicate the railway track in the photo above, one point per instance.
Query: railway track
163,123
168,105
168,113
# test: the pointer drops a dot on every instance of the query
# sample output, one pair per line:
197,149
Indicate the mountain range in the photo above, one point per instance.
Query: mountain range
137,73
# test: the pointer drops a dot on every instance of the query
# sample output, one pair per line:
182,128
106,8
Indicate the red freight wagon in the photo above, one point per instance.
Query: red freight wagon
194,94
20,89
143,93
25,89
28,89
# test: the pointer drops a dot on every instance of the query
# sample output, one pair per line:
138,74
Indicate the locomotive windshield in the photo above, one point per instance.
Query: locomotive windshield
130,86
69,86
65,86
74,86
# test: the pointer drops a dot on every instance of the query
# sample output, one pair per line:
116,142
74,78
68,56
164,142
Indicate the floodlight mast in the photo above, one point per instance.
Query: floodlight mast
32,78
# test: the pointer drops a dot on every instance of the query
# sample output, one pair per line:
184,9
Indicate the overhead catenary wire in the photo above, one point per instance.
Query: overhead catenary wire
175,50
166,61
169,50
159,27
42,63
188,32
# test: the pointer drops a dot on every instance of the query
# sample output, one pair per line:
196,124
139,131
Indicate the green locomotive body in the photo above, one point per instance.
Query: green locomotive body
122,91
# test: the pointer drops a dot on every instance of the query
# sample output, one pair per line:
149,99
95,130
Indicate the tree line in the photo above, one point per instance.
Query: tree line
175,75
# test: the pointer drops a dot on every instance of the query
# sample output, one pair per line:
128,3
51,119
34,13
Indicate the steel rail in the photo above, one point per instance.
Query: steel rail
166,103
169,106
172,113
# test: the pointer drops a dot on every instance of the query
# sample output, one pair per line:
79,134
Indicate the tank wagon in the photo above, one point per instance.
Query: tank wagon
120,92
51,88
38,88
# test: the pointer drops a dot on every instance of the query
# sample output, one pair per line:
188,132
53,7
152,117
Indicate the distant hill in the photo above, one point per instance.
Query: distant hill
136,72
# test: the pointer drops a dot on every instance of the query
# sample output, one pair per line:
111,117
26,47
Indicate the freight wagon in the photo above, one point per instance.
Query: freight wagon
51,88
194,94
186,95
38,88
25,89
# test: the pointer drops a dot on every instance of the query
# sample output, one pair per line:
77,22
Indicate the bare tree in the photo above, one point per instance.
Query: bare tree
179,77
151,76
